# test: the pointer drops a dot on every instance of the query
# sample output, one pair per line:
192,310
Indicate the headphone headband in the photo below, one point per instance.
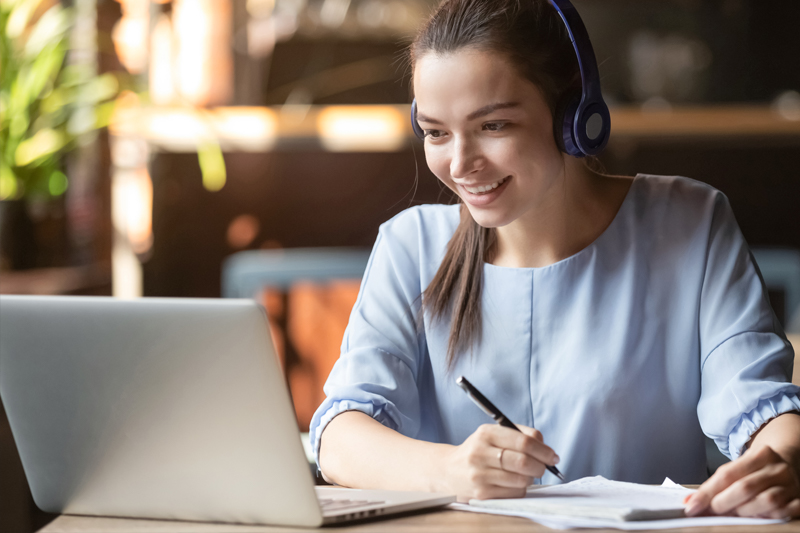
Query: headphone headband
582,127
587,63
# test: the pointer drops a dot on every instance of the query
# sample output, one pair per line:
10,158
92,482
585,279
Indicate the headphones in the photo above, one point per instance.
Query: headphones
581,123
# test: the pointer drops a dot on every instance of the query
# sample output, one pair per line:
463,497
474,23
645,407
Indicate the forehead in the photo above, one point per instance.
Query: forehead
464,80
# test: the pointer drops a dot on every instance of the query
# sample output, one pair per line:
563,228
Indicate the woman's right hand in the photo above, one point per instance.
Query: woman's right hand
497,462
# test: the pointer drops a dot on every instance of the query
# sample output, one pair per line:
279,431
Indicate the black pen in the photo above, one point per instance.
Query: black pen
482,402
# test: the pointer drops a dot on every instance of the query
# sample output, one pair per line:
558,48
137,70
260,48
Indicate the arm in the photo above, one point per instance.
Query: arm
358,451
365,432
747,402
782,435
763,481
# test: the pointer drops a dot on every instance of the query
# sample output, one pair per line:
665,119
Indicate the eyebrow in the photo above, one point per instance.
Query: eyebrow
482,112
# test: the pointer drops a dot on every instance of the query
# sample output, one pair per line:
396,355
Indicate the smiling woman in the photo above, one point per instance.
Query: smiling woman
489,135
624,317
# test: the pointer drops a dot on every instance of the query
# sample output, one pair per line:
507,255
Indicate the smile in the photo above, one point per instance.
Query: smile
482,189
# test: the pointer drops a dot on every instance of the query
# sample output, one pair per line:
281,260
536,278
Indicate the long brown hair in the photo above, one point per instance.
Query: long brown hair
530,34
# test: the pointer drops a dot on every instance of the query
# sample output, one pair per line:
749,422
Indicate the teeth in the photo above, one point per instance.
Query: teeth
485,188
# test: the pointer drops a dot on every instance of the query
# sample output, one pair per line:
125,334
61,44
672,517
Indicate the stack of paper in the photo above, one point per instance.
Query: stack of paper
596,502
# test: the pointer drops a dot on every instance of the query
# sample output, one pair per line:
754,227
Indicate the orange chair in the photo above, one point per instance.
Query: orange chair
308,294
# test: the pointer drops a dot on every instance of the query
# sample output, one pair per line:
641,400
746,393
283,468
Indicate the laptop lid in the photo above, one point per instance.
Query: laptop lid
159,408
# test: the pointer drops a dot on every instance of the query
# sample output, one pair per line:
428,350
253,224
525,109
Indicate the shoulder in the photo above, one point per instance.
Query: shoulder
675,198
424,228
679,189
412,244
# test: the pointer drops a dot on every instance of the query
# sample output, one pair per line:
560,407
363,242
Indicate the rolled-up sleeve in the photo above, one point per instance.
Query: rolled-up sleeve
746,361
377,370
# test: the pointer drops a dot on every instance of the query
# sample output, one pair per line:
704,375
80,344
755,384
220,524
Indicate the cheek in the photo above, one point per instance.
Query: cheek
439,164
533,156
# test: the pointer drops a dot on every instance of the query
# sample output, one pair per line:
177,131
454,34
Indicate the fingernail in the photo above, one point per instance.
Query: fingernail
695,507
556,460
687,498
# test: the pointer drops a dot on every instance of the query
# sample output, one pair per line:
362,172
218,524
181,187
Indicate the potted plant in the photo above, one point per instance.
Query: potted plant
49,105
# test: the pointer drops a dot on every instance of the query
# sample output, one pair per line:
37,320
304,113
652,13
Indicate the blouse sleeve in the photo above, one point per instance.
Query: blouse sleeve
376,372
746,361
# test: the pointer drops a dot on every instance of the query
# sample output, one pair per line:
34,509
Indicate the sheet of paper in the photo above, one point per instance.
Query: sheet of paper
613,499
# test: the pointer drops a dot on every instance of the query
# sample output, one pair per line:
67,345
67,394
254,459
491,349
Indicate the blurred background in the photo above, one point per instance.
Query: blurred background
251,148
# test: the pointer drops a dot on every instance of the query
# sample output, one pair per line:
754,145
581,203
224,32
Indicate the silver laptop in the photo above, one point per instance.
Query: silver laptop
163,408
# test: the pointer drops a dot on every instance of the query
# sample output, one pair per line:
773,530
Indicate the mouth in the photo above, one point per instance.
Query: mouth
485,189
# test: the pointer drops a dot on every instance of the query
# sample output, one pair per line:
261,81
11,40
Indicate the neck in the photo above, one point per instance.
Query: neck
572,213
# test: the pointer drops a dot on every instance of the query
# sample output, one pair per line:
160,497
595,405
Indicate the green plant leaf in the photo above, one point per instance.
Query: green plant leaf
51,27
6,6
98,89
19,125
43,143
8,183
103,113
54,102
58,183
74,75
35,77
82,121
20,15
212,166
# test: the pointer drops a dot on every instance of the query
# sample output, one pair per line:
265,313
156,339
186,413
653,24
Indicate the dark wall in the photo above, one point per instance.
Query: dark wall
301,199
753,44
752,49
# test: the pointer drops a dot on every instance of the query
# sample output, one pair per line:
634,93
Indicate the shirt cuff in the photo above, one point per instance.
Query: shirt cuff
340,406
751,422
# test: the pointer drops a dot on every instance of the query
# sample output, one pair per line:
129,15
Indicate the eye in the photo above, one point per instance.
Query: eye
495,126
433,134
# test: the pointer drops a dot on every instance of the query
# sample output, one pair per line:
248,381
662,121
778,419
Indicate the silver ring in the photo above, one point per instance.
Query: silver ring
500,457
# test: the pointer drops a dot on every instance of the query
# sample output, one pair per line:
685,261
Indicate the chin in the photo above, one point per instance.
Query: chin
489,220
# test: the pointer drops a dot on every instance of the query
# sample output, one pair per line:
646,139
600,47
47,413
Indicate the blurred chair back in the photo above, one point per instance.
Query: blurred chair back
308,294
780,268
245,274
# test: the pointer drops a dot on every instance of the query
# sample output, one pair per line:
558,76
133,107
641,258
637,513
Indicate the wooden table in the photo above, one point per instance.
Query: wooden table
443,521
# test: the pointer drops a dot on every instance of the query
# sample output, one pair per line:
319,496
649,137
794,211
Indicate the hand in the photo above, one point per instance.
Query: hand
758,484
497,462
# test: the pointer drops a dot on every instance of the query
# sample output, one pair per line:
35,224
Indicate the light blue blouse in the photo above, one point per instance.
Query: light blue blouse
622,355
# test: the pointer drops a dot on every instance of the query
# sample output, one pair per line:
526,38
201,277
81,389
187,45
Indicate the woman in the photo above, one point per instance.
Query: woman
621,317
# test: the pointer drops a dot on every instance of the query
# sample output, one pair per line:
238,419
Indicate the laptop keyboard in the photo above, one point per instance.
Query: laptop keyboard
339,504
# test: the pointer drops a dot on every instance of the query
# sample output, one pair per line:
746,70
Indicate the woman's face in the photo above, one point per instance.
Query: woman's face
488,134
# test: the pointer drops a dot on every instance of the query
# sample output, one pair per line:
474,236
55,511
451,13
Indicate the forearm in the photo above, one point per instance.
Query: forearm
358,451
782,434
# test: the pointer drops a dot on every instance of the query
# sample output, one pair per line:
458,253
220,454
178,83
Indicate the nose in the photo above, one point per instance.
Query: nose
466,158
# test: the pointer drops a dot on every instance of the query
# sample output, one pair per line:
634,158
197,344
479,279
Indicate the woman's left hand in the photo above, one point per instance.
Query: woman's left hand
760,483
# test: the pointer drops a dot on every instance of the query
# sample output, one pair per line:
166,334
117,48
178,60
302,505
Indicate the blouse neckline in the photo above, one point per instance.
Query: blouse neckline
614,222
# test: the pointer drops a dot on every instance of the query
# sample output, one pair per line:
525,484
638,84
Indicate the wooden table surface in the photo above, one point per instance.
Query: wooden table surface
443,521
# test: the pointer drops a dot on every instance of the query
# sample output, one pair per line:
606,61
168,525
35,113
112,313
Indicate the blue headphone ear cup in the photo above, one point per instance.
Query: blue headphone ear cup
564,122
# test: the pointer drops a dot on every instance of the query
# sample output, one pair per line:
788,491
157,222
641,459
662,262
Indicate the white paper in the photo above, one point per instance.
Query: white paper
604,504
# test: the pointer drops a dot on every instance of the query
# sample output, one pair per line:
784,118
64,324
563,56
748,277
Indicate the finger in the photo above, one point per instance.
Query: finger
519,442
502,478
792,510
766,503
726,475
532,432
751,486
522,463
